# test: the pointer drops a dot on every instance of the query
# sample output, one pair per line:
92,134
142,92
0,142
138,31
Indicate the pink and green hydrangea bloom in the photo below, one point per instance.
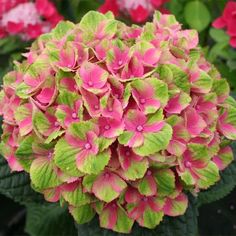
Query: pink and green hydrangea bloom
118,121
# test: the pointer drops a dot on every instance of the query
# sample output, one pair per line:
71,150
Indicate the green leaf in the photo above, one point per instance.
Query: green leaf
219,35
154,142
197,15
50,219
16,185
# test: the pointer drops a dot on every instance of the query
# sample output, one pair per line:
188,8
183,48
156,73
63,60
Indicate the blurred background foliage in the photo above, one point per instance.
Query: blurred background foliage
217,218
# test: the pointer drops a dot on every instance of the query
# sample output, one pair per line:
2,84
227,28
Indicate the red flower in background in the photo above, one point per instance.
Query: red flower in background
110,5
138,10
27,19
228,21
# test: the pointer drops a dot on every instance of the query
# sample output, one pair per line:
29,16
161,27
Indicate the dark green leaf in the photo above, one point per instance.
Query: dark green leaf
16,185
223,187
49,220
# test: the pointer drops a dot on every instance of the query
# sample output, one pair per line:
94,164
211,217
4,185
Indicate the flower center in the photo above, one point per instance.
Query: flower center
96,107
90,83
120,62
127,153
107,175
56,124
139,128
74,115
145,199
188,164
107,127
87,146
50,155
142,100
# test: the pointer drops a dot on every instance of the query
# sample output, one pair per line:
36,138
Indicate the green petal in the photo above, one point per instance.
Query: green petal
40,123
95,164
77,197
151,219
187,177
64,157
154,142
24,152
125,137
82,214
123,224
43,173
136,170
208,175
165,179
203,83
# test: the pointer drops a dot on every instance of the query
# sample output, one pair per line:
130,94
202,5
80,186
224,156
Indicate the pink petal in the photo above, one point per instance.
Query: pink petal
133,119
194,122
136,140
132,195
26,126
14,164
154,128
80,158
219,23
75,141
45,95
232,42
93,76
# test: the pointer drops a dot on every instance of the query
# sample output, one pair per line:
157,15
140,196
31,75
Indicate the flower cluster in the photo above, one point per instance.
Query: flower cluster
228,21
27,19
118,120
138,10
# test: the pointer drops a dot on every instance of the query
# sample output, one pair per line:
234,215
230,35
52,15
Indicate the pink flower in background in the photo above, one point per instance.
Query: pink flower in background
27,19
228,21
138,10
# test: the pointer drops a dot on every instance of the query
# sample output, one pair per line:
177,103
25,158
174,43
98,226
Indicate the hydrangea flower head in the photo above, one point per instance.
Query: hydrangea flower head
27,19
118,121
